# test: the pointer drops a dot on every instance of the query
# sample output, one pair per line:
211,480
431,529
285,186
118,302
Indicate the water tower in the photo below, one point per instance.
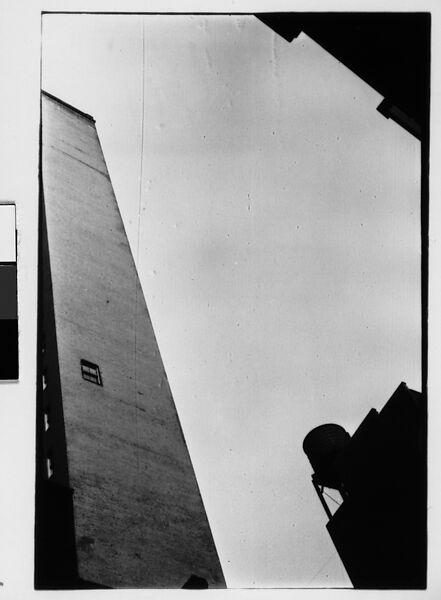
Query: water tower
324,447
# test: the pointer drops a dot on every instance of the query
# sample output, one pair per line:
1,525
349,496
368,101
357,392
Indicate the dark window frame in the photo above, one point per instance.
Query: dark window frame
91,372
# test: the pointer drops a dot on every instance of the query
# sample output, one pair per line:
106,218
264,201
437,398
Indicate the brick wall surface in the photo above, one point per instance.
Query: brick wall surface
139,517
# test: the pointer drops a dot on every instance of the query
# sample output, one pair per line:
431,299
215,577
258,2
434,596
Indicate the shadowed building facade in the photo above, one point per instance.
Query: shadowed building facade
117,501
380,473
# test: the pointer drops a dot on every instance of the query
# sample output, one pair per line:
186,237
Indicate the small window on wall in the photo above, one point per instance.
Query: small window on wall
91,372
46,419
49,467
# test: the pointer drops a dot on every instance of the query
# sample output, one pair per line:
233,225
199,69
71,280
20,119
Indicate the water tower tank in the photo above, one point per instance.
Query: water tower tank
322,445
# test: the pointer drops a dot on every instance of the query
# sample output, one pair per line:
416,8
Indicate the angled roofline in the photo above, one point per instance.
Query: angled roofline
69,106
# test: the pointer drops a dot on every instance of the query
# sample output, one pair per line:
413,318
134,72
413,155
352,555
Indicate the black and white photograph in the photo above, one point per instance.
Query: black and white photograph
215,301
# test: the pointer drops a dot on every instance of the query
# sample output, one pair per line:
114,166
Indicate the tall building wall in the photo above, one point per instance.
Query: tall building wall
138,515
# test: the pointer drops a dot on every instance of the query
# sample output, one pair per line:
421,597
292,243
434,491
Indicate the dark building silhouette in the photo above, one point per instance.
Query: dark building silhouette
117,501
379,529
389,50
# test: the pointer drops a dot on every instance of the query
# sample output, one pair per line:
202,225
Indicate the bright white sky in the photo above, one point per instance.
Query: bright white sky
276,232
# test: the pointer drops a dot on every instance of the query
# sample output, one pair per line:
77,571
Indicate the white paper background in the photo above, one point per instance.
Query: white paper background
20,38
